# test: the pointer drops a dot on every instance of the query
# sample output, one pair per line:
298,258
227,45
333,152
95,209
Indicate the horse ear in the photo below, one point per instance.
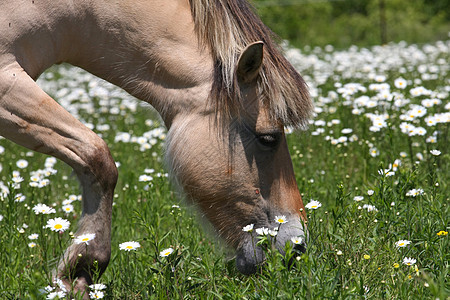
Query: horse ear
250,62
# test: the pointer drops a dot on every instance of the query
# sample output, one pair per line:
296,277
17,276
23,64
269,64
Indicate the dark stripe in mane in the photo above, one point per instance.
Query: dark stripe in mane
227,27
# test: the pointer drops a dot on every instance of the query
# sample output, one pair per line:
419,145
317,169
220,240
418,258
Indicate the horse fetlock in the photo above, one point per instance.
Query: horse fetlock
83,264
74,289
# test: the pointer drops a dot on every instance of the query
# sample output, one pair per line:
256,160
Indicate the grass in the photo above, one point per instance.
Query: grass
352,252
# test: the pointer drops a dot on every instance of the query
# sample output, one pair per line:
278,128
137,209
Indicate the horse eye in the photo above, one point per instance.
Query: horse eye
269,140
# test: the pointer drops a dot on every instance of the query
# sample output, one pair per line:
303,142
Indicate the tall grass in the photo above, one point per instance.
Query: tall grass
367,158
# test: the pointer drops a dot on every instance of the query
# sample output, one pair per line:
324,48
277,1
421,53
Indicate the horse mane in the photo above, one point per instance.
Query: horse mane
226,27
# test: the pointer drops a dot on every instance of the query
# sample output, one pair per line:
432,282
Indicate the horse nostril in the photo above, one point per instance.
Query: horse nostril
300,247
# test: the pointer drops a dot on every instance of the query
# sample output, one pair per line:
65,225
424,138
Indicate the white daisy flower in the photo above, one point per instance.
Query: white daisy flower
281,219
58,224
297,240
370,207
97,294
358,198
98,286
273,232
145,178
248,228
22,163
400,83
166,252
68,208
435,152
409,261
128,246
33,236
346,130
414,192
314,204
262,231
84,238
43,209
19,198
402,243
56,295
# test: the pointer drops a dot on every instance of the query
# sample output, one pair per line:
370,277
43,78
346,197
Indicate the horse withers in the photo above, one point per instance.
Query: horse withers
212,71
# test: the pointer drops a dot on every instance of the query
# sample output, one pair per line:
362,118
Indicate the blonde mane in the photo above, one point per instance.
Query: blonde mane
227,27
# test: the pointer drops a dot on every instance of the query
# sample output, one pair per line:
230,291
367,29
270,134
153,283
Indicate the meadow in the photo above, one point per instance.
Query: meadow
373,165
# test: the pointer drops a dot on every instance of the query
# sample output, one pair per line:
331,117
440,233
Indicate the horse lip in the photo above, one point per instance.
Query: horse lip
250,257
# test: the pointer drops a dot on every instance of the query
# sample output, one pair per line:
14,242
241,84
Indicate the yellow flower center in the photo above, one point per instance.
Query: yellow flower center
85,239
58,226
129,247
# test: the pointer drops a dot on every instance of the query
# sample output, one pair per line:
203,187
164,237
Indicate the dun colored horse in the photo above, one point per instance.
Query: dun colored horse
212,71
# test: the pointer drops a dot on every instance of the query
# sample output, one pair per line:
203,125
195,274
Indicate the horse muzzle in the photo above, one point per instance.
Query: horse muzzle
250,256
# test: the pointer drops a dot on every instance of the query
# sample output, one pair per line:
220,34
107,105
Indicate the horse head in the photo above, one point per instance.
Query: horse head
238,170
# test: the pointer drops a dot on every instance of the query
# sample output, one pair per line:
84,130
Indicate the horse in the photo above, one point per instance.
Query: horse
216,76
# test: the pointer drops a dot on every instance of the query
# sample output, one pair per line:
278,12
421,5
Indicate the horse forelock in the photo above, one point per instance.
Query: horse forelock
226,27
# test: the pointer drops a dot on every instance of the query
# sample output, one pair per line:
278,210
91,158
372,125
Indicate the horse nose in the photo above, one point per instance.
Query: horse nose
293,233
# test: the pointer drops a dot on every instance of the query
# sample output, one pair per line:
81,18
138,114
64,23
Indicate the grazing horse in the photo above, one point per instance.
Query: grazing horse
211,70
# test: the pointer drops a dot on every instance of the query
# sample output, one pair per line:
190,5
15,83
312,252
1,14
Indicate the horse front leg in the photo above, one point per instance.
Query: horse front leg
98,177
31,118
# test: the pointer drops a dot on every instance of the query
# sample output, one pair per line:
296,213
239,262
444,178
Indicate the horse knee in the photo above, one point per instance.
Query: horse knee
99,166
104,166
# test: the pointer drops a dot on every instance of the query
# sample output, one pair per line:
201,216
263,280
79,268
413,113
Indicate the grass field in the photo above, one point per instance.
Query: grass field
375,156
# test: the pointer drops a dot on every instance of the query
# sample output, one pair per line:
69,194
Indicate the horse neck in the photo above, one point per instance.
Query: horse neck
149,49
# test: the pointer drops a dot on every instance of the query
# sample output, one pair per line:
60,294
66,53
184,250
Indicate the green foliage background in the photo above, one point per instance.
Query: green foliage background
355,22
